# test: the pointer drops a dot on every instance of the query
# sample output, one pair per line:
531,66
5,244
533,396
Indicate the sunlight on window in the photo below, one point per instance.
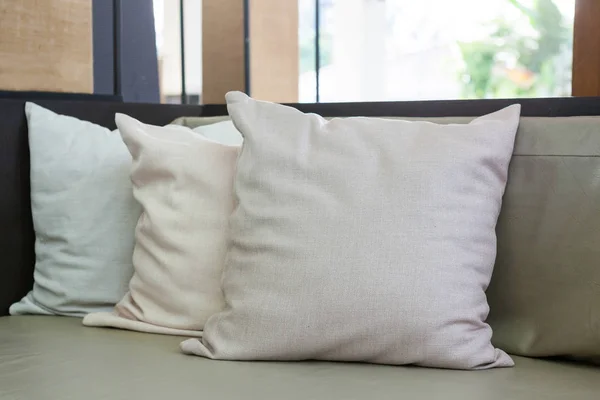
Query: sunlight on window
437,49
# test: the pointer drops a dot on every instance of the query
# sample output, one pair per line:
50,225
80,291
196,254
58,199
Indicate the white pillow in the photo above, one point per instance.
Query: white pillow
84,215
184,183
361,239
222,132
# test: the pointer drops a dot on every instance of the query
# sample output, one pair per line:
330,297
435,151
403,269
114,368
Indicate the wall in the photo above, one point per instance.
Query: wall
222,49
46,45
272,49
586,49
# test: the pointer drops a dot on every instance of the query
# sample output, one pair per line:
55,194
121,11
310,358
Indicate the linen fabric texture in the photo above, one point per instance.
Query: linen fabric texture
361,239
184,183
84,215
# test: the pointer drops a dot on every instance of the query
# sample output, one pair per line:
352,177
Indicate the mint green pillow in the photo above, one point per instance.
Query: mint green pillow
84,216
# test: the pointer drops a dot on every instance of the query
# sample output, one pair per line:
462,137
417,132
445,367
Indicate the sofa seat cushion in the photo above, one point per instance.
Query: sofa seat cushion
58,358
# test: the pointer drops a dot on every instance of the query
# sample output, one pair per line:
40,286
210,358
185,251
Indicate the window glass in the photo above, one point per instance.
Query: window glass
377,50
167,22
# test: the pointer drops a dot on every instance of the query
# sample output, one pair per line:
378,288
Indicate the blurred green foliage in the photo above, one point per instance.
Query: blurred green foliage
512,64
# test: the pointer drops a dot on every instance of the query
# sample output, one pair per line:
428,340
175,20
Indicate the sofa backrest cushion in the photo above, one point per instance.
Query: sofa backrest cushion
545,292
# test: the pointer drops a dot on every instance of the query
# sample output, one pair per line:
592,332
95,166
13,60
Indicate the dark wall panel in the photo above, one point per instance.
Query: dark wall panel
137,52
103,41
125,59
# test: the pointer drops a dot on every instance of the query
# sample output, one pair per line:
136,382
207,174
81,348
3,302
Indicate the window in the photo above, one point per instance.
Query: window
179,85
378,50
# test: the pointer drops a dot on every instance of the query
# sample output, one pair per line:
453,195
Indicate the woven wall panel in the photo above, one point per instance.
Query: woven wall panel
46,45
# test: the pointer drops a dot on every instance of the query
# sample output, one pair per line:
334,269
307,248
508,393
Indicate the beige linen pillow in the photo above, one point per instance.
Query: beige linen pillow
184,183
361,239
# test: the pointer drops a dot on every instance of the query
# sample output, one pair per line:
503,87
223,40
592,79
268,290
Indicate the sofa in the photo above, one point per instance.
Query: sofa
544,295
